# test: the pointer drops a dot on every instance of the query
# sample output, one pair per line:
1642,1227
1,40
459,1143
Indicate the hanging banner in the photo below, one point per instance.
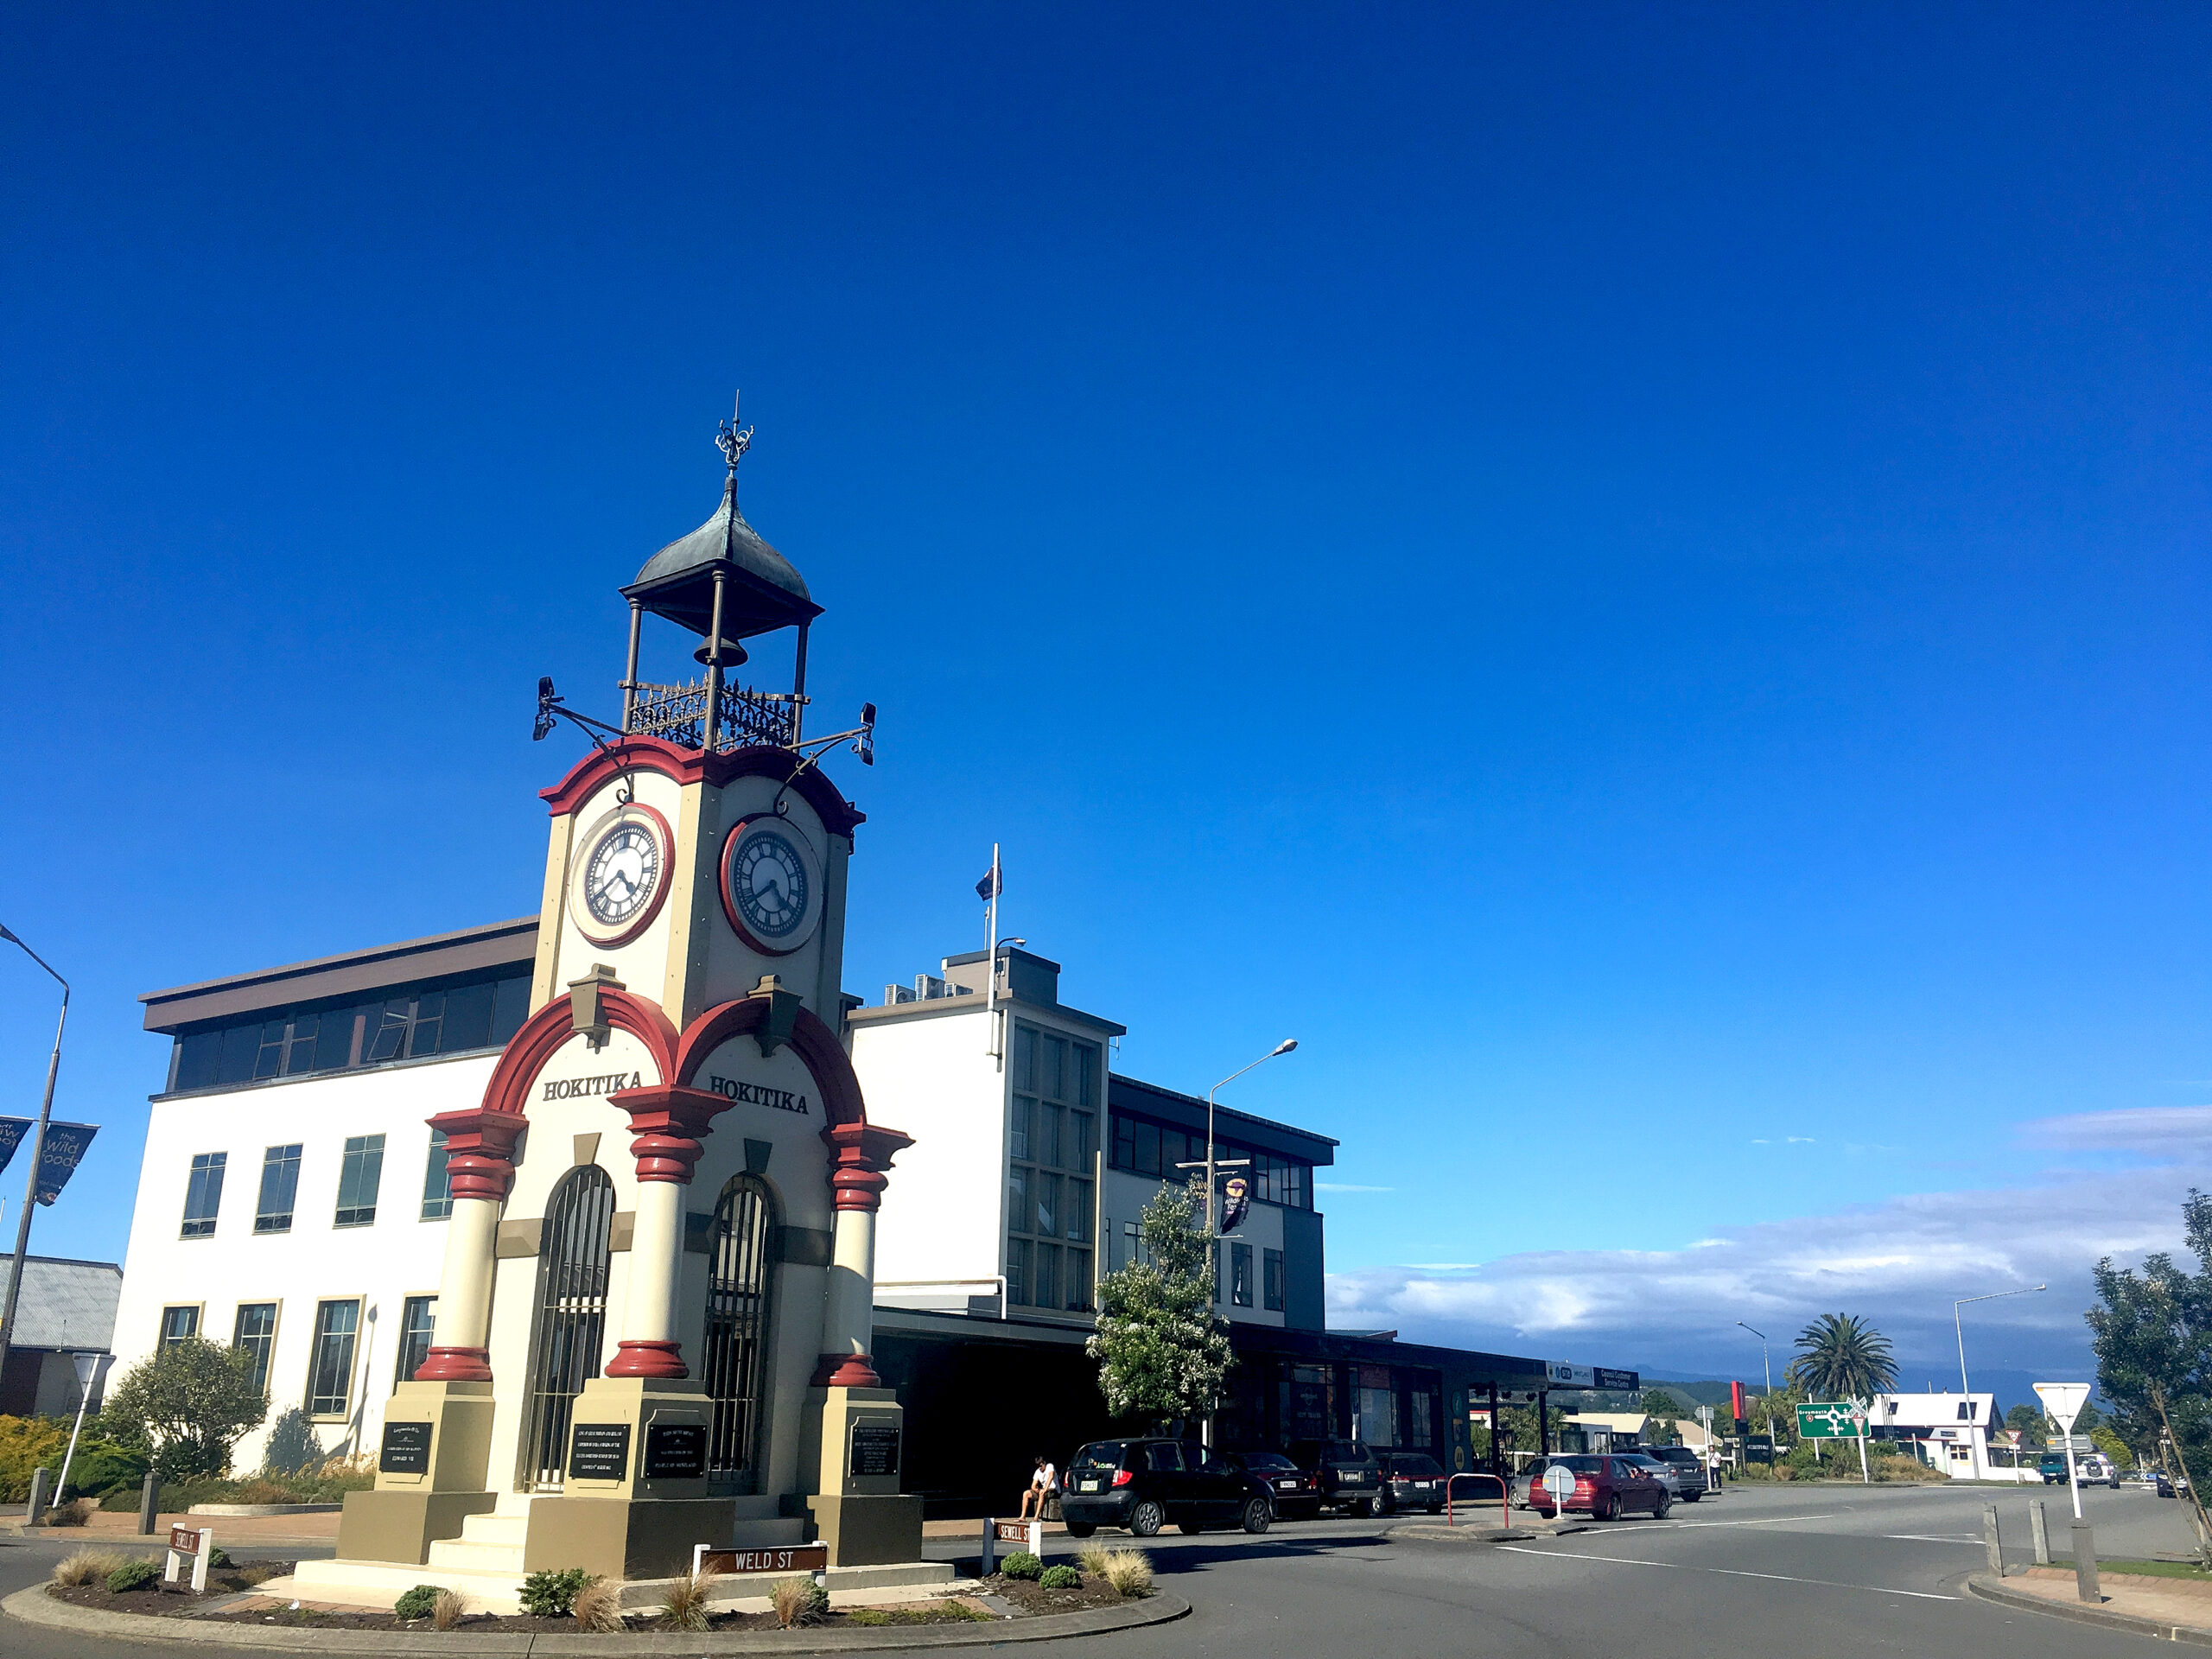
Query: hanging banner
1236,1195
65,1147
14,1131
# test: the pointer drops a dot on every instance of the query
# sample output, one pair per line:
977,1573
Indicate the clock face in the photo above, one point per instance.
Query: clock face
621,874
772,884
618,886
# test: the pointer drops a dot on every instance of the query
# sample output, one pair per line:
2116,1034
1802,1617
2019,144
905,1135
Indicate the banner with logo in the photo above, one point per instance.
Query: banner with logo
64,1149
1237,1197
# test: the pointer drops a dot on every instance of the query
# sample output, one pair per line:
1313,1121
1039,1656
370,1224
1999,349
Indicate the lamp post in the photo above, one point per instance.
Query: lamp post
1959,1330
1283,1047
1768,1371
38,1156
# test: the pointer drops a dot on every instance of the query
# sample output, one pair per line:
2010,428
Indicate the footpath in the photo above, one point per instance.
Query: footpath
2172,1610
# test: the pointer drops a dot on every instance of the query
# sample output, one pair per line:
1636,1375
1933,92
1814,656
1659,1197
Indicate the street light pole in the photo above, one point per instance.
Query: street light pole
1768,1371
1283,1047
1959,1330
38,1156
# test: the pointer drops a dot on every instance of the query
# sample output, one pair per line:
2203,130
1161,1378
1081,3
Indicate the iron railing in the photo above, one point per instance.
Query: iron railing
678,712
571,1320
741,1261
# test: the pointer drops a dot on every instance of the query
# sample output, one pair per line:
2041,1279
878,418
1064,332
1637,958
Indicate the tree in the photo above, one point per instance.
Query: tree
1162,1350
1839,1356
2028,1423
189,1403
1664,1410
2153,1340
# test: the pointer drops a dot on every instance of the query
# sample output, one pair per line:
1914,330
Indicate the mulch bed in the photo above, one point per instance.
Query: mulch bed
1030,1597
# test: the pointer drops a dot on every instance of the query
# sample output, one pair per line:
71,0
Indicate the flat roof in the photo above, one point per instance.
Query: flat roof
467,950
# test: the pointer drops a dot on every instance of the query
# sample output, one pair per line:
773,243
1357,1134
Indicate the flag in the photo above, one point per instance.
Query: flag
65,1145
991,886
1237,1192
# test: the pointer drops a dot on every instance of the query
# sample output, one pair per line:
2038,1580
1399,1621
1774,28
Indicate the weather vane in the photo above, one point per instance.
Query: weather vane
734,440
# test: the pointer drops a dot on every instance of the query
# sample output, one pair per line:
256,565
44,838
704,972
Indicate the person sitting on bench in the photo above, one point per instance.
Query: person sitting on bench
1043,1484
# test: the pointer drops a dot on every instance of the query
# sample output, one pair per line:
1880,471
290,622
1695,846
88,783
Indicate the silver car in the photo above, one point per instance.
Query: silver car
1683,1481
1687,1467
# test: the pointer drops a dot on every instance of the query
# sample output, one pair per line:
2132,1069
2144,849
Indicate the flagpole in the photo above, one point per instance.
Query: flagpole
991,963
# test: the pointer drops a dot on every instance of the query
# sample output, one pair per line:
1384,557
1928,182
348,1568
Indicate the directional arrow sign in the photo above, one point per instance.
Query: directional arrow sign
1835,1420
2063,1402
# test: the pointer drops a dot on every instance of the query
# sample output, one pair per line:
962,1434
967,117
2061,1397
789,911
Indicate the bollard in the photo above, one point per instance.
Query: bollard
149,1495
990,1549
35,1511
2085,1562
2039,1530
1989,1537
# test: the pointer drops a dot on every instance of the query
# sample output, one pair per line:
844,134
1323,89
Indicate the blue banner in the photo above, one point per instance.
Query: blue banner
64,1150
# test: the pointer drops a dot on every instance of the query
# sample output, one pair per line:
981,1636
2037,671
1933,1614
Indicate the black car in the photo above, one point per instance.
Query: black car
1350,1477
1143,1485
1294,1491
1411,1480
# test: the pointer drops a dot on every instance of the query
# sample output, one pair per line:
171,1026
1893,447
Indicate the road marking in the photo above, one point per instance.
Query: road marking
1768,1521
1929,1538
1725,1571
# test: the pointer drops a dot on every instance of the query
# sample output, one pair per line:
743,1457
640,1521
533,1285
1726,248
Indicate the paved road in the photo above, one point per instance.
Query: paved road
1826,1572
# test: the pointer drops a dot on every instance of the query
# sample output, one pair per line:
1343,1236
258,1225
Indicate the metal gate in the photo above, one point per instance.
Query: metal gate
740,1268
571,1320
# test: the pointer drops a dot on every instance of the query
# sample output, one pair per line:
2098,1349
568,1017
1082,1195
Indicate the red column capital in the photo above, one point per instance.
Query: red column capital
860,1153
670,1124
479,1151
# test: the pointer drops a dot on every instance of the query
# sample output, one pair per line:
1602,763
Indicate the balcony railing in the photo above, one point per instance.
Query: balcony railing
679,714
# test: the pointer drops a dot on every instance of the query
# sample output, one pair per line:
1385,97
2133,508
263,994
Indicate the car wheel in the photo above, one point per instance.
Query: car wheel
1692,1497
1607,1509
1256,1515
1147,1518
1659,1510
1367,1508
1080,1528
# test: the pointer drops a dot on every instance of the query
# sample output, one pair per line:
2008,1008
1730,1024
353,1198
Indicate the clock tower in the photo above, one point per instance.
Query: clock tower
653,1323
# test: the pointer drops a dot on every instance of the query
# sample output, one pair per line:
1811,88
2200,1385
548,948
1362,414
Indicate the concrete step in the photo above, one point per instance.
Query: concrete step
767,1533
495,1528
466,1555
379,1583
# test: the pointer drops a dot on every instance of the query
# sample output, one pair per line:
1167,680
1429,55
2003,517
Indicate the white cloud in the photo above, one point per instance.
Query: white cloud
1898,1263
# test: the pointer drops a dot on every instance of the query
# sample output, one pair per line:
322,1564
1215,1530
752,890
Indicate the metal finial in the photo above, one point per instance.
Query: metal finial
734,440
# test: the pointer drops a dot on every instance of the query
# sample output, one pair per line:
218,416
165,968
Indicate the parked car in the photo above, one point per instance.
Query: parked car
1604,1488
1349,1476
1143,1485
1293,1491
2150,1480
1411,1480
1686,1485
2052,1467
1685,1468
2096,1469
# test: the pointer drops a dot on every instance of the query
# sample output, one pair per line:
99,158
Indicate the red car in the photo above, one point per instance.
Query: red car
1604,1488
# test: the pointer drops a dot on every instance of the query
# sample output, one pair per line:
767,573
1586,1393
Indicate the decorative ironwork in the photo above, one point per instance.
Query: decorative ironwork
571,1323
740,1273
678,712
734,440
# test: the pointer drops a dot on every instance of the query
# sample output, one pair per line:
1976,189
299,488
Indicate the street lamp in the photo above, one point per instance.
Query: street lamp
1958,1329
1283,1047
38,1156
1769,1371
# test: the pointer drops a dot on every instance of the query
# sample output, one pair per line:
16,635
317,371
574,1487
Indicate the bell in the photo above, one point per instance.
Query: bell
733,653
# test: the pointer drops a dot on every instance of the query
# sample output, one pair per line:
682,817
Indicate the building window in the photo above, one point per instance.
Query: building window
1376,1408
417,1318
1271,1280
438,1181
330,1369
1213,1268
1132,1242
409,1022
1052,1141
179,1323
1421,1430
280,1185
1144,1147
255,1331
359,1174
203,1195
1240,1275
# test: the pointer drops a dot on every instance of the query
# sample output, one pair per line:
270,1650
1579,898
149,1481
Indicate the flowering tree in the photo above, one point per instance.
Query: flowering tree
1162,1351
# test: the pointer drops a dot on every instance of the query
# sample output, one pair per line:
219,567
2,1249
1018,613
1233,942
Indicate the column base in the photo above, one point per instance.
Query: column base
869,1530
401,1526
646,1358
844,1371
625,1538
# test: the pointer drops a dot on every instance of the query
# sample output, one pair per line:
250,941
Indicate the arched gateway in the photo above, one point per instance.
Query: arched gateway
656,1300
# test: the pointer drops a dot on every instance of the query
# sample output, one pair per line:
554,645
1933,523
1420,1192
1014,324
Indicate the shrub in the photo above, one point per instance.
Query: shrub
1091,1557
102,1467
446,1611
553,1594
417,1603
1061,1578
75,1512
87,1567
133,1575
1020,1564
25,1443
683,1604
189,1400
598,1606
1129,1571
220,1558
293,1443
797,1598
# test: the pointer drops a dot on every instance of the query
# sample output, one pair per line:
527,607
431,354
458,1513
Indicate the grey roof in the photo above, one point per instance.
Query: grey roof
65,1304
675,580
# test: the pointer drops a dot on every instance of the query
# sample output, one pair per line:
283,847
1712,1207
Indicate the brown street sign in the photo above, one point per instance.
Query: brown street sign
799,1558
185,1540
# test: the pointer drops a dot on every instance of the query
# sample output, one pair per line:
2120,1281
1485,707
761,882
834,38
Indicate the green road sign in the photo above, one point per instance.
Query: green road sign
1832,1422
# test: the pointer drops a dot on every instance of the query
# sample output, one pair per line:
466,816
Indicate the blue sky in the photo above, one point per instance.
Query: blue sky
1634,577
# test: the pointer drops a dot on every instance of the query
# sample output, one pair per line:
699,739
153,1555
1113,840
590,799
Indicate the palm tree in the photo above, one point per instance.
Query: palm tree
1840,1356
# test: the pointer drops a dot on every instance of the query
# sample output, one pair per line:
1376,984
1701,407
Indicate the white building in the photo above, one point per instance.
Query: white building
1948,1431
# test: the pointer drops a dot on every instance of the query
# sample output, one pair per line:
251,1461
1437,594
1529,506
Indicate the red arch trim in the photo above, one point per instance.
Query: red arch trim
816,1045
716,766
529,1049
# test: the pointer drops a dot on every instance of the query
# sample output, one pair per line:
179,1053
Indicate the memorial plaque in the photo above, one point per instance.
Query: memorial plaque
406,1449
875,1449
676,1451
600,1452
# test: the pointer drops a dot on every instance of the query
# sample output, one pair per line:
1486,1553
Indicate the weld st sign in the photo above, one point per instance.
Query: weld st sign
1835,1422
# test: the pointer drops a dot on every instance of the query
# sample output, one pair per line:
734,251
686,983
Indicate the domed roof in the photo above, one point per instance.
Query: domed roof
761,591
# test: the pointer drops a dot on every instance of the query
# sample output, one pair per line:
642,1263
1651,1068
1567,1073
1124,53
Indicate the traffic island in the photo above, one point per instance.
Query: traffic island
1432,1531
2171,1610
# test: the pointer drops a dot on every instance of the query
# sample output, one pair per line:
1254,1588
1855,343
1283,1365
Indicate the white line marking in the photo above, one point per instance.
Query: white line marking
1725,1571
1768,1521
1929,1538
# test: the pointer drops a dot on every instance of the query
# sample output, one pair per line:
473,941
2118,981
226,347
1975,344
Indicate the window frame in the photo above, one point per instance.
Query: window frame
361,1153
1054,1081
426,1300
204,1164
1274,1286
264,1358
317,1335
265,1219
162,1339
1240,1273
437,1170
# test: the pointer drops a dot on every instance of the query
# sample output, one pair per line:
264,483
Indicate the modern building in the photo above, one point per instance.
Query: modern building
68,1308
